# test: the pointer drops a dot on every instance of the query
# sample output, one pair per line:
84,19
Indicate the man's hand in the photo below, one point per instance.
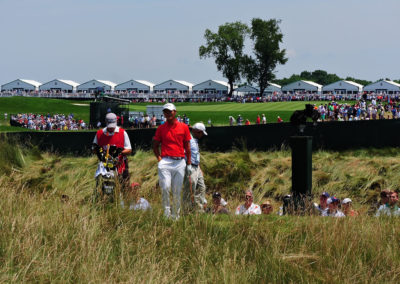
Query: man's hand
189,170
156,149
126,152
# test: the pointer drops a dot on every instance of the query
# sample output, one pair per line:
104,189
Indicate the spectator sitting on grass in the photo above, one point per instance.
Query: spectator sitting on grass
333,205
218,204
384,199
133,198
322,208
248,208
391,208
385,196
346,205
266,208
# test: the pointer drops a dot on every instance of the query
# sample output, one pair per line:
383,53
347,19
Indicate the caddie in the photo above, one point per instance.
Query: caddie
114,135
194,192
174,138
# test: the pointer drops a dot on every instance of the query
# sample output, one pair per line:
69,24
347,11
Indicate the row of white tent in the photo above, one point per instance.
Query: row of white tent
209,86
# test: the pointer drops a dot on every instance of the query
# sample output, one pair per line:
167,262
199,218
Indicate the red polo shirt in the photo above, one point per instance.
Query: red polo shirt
172,138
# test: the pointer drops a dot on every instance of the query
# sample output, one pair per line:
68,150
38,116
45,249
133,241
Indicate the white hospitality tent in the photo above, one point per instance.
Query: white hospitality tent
302,86
91,86
211,87
383,87
60,85
272,88
137,86
21,85
174,87
343,87
244,90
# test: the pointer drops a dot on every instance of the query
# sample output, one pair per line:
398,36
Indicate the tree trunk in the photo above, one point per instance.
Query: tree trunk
230,89
262,89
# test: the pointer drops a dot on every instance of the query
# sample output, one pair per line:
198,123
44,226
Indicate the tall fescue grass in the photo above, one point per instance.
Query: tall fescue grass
47,237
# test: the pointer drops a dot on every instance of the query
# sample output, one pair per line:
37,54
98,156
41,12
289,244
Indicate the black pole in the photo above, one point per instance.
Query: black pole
301,171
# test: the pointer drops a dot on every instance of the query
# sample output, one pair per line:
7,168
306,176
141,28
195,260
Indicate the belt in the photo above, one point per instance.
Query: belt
174,158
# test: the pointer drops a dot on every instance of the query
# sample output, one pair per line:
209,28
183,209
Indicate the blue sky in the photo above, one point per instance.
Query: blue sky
157,40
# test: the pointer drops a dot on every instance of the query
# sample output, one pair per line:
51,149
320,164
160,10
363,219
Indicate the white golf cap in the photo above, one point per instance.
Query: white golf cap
169,106
111,120
346,200
200,126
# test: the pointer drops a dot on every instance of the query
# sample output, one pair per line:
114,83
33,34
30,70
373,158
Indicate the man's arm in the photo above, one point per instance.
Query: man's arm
156,149
186,145
127,145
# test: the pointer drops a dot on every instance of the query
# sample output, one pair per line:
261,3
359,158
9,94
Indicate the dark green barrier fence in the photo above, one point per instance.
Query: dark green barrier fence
328,135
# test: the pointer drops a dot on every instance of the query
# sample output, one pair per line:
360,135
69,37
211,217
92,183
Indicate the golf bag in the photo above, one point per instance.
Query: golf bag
107,180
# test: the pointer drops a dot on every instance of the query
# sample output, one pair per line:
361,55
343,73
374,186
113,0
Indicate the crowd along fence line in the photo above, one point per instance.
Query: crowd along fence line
275,136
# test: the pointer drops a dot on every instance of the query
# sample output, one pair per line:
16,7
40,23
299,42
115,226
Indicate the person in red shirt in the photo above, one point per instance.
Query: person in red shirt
258,120
174,137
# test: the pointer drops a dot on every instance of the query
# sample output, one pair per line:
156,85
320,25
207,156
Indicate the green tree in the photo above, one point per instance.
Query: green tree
318,76
359,81
266,36
323,78
226,46
305,75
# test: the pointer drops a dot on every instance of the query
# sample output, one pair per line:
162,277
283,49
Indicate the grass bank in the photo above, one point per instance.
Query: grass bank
219,112
45,237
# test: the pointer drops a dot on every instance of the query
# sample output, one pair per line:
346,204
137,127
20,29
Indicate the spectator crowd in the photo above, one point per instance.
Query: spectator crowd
361,110
328,206
145,121
47,122
338,111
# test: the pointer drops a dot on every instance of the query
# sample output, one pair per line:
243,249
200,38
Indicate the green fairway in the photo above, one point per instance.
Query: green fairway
14,105
219,112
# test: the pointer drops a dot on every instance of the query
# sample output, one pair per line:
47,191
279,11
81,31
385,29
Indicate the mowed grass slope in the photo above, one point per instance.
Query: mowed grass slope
219,112
14,105
46,238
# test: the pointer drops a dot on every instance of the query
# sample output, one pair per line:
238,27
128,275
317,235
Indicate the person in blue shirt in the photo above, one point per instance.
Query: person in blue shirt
322,208
194,191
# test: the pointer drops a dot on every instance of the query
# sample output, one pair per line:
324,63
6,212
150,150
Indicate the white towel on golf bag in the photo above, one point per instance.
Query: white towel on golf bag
101,170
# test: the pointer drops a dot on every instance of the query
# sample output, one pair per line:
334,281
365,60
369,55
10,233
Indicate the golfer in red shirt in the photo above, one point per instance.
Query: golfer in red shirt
174,137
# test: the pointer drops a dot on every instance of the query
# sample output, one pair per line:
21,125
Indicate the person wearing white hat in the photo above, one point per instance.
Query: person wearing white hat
194,192
346,205
174,137
115,136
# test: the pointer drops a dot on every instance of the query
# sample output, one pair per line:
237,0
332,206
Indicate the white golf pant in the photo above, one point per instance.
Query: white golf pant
171,173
